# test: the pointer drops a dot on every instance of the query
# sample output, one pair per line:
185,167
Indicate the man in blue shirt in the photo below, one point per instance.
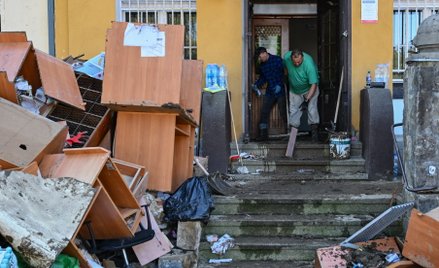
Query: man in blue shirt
271,72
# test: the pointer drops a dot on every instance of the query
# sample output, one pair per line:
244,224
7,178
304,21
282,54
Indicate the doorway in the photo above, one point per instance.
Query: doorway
315,28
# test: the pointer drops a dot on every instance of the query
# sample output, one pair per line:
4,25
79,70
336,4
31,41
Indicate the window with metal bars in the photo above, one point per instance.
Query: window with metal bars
407,16
164,12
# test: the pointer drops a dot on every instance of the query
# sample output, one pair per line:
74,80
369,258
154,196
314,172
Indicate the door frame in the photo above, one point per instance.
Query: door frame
345,114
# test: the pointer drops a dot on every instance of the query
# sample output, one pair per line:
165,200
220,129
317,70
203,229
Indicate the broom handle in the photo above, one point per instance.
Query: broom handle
339,95
233,126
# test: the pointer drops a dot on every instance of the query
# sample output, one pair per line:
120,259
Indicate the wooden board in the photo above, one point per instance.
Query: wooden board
191,87
26,137
422,238
291,142
147,140
59,81
183,154
12,56
131,79
83,164
11,37
7,90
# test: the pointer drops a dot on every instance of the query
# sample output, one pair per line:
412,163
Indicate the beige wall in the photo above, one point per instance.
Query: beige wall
371,45
220,40
29,16
81,25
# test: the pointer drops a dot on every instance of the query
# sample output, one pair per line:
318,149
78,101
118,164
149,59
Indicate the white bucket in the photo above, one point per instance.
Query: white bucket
339,146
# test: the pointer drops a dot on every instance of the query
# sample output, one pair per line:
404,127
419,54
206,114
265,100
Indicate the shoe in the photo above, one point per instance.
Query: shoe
263,134
315,133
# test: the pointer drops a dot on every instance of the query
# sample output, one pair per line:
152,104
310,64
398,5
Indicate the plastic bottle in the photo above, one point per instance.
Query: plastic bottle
222,77
215,71
208,75
368,79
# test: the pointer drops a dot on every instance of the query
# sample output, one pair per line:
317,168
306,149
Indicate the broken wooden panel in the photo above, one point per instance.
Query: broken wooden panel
131,80
11,37
17,59
134,175
108,215
422,238
191,87
12,56
48,216
59,81
83,164
27,137
148,140
95,120
32,169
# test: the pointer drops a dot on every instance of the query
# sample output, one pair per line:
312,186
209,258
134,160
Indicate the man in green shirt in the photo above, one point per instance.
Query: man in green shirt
303,87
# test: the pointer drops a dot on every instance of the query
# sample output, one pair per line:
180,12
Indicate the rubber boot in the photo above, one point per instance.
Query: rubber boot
263,134
315,133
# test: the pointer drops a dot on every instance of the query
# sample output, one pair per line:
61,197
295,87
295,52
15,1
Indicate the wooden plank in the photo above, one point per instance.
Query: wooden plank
26,137
32,168
83,164
141,187
132,173
7,89
12,37
131,79
59,80
150,107
191,87
147,140
291,142
105,218
73,251
182,153
100,131
12,56
115,186
29,70
404,264
422,239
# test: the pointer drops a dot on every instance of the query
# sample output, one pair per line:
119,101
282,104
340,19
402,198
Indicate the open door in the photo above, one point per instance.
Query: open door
272,34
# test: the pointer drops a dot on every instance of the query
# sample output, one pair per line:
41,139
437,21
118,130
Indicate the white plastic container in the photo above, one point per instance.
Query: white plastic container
340,146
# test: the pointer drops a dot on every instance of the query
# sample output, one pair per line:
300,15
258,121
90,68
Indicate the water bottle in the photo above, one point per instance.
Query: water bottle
208,76
222,77
215,71
7,258
368,79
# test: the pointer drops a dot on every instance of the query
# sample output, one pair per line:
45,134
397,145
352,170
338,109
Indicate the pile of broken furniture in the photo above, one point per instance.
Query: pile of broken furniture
153,104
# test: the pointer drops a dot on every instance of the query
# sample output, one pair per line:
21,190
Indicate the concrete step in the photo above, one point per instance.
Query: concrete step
269,250
302,204
285,165
290,225
303,150
260,264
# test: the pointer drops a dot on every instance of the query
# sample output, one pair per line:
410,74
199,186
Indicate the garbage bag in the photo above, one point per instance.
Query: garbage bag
192,201
65,261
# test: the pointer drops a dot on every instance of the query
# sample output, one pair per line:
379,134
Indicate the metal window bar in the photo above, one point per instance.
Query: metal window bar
407,16
163,11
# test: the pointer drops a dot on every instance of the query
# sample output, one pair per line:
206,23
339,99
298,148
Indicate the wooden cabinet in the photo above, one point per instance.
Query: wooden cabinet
114,213
162,142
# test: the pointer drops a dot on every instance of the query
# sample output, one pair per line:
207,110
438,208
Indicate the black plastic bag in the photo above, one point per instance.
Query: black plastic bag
192,201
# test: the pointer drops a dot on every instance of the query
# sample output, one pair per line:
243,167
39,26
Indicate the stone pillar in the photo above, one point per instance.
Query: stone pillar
421,117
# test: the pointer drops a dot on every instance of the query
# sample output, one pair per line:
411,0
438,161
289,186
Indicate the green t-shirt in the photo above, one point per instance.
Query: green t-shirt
301,77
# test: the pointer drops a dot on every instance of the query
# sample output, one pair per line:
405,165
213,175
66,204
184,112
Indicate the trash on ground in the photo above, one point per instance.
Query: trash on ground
191,201
242,170
212,238
223,244
220,260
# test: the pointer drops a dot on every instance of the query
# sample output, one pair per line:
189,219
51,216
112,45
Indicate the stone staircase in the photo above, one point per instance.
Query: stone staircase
282,215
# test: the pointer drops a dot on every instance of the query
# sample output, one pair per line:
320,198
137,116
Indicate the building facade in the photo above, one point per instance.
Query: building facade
353,36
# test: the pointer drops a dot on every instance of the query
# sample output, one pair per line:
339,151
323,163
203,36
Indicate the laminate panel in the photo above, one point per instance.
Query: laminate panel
12,56
59,80
147,140
131,79
12,37
191,87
